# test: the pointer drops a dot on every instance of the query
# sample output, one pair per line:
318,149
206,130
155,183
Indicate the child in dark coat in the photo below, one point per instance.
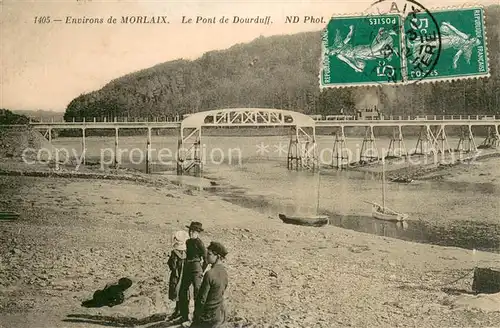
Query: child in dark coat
111,295
176,263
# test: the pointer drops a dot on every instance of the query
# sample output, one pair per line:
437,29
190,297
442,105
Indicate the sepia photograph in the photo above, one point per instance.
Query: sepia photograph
249,164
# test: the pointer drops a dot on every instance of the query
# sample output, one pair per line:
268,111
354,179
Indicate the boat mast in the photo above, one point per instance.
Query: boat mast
383,183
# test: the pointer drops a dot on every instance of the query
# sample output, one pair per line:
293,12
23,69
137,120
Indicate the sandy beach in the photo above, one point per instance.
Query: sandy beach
75,235
346,153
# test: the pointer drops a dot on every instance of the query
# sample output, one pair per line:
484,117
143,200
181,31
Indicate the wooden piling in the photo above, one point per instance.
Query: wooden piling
84,147
116,148
148,151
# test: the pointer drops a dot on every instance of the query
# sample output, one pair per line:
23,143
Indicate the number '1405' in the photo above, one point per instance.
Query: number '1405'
42,19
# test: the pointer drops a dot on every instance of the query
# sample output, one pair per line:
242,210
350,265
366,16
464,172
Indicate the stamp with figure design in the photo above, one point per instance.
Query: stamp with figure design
361,50
463,50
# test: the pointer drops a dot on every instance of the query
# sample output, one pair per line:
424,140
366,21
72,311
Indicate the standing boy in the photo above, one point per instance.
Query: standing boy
196,263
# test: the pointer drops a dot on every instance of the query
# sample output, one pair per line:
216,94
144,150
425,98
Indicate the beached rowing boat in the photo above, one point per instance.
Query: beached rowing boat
401,180
313,221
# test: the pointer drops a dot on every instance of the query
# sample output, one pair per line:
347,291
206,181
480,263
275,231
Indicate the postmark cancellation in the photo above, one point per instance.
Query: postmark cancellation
404,46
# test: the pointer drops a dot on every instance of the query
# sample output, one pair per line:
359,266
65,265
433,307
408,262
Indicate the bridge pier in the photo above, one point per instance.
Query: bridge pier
340,154
442,141
302,149
401,145
368,147
426,141
116,160
148,151
493,138
188,152
293,154
466,143
47,134
84,147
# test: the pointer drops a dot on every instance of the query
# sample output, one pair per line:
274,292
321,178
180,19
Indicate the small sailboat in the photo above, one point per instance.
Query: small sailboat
382,212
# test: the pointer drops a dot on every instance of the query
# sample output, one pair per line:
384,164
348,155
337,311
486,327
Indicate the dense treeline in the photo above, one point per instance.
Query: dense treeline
281,72
7,117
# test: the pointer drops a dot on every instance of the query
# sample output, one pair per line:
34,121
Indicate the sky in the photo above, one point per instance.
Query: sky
46,65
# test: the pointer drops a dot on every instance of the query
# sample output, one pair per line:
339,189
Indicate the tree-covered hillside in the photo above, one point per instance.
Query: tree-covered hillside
40,115
7,117
281,72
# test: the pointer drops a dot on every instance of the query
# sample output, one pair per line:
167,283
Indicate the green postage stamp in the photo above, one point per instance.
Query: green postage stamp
462,43
361,50
404,48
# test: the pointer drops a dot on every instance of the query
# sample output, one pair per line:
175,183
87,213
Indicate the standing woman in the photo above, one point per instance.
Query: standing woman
176,263
209,310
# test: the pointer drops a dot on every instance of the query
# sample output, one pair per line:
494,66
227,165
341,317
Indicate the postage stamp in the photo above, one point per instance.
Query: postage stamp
458,49
402,42
361,50
423,26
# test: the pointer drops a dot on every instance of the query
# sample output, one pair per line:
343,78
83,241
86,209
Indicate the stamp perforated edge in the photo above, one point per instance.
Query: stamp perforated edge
465,77
471,5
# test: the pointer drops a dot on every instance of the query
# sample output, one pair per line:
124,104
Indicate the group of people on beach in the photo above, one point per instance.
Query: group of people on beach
191,264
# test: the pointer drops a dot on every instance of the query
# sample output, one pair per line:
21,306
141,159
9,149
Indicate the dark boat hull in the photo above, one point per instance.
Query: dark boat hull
402,180
316,221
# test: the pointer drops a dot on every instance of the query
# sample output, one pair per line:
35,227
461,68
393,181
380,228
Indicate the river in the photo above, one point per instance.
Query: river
251,172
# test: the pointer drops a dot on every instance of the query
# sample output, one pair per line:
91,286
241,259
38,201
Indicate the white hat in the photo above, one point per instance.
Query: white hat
179,240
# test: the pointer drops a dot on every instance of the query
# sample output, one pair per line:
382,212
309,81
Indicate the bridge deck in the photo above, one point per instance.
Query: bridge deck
388,123
322,123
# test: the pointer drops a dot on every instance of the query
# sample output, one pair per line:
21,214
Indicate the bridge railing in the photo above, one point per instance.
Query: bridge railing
432,118
35,120
442,117
177,119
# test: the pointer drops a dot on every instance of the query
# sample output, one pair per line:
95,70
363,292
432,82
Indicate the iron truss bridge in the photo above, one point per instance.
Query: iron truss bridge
302,151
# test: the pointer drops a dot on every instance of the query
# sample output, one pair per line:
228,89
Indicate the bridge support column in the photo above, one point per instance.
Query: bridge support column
466,143
391,152
50,135
302,150
426,141
492,139
148,151
84,147
340,155
293,152
442,141
188,153
116,160
369,151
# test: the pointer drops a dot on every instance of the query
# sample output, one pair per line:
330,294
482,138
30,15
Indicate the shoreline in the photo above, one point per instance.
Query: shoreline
428,167
425,167
121,228
79,230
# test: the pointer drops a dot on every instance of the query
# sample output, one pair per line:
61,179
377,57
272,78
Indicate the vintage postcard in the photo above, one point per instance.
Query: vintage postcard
247,163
